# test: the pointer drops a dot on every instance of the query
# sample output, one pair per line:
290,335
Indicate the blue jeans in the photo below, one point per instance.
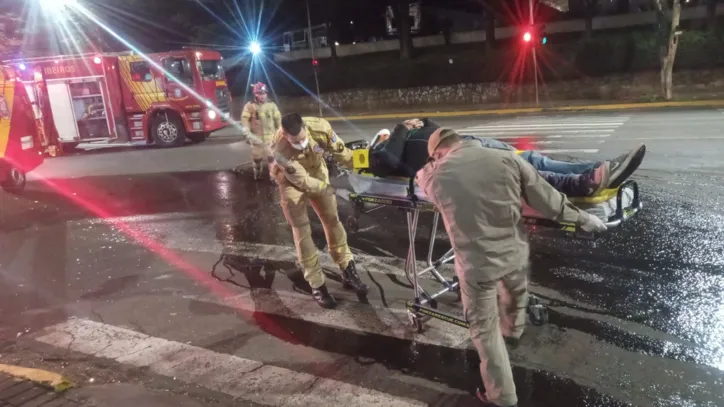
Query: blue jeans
562,175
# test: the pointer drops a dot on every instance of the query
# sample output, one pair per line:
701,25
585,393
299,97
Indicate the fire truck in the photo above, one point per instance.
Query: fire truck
19,132
123,99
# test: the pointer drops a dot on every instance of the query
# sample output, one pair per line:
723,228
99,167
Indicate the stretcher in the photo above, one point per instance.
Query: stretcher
613,206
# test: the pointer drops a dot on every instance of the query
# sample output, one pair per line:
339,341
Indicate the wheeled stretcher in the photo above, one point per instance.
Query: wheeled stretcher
614,207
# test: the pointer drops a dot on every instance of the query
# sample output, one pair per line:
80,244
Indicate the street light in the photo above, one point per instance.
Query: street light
527,36
255,48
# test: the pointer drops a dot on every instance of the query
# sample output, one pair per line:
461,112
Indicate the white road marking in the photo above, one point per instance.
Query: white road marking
239,377
542,126
569,136
567,141
570,150
568,130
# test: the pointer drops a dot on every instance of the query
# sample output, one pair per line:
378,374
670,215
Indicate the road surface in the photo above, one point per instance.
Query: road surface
107,268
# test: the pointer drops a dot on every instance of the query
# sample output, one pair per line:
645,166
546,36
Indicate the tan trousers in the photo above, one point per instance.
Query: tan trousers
483,310
294,205
260,149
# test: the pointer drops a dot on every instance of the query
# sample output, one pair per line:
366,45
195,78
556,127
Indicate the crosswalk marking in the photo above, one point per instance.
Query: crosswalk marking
242,378
586,130
546,126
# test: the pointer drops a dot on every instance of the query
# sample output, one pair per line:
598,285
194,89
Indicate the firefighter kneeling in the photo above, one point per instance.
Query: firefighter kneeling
302,175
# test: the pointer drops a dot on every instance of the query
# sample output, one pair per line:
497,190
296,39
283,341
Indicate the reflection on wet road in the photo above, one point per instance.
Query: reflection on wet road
637,317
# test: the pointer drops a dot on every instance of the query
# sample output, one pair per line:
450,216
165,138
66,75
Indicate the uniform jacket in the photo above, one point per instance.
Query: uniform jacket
306,170
262,120
478,192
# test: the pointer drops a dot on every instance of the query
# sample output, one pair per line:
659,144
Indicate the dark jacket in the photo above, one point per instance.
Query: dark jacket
404,153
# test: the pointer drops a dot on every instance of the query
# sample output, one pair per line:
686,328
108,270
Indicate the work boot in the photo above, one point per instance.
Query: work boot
487,403
323,297
351,279
624,166
597,179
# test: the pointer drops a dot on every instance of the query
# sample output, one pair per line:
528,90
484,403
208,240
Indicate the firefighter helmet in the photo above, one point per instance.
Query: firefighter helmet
259,88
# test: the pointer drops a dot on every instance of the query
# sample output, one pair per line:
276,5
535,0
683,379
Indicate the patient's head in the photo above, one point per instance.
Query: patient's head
441,141
413,124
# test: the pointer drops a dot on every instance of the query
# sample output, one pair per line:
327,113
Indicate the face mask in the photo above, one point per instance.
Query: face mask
302,145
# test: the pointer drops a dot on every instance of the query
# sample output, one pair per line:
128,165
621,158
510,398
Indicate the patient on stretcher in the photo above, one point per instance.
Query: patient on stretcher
403,152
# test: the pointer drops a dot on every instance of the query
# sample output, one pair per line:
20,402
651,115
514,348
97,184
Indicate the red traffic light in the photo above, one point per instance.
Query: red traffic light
315,62
527,36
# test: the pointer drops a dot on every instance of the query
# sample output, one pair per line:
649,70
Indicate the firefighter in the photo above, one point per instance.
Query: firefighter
301,172
480,205
260,119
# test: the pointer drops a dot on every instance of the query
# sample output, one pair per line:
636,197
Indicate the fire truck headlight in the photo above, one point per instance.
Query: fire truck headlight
212,114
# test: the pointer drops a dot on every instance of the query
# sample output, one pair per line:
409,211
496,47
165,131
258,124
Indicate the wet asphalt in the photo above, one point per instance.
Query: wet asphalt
172,244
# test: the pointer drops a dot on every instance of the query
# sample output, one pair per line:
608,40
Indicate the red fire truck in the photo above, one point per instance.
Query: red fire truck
121,98
19,132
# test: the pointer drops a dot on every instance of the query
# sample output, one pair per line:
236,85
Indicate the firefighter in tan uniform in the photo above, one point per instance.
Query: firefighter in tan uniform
301,172
479,192
260,118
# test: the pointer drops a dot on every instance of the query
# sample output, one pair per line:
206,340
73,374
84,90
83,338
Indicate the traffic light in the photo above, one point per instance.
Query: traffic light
315,63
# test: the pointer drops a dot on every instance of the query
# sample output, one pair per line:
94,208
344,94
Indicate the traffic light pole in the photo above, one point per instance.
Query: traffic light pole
314,67
535,59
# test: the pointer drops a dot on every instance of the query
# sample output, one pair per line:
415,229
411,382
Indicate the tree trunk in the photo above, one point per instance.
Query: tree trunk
624,6
591,6
403,28
334,24
589,26
489,29
667,63
711,14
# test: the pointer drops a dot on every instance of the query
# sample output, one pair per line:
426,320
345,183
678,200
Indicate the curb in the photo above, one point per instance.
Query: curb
44,378
491,112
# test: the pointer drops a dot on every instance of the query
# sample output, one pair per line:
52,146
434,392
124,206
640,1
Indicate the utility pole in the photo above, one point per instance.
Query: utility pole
314,65
535,59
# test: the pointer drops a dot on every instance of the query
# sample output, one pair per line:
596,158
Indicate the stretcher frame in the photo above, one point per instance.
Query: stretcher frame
424,305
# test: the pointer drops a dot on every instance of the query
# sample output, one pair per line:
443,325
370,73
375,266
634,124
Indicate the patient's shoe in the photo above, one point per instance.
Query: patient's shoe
624,166
597,179
486,402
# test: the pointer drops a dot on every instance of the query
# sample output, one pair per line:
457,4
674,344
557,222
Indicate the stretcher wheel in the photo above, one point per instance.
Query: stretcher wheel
537,311
415,321
352,223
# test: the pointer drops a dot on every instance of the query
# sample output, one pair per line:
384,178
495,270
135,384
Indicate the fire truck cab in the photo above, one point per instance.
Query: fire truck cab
19,132
126,98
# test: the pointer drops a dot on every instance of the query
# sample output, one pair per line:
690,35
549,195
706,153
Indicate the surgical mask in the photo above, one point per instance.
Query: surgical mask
302,145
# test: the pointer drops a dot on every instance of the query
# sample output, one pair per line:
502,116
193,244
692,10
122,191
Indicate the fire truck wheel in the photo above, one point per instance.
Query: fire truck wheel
197,137
168,131
15,181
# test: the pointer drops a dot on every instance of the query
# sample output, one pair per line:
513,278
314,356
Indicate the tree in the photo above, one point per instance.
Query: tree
711,14
11,34
489,24
403,28
590,7
333,17
669,35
